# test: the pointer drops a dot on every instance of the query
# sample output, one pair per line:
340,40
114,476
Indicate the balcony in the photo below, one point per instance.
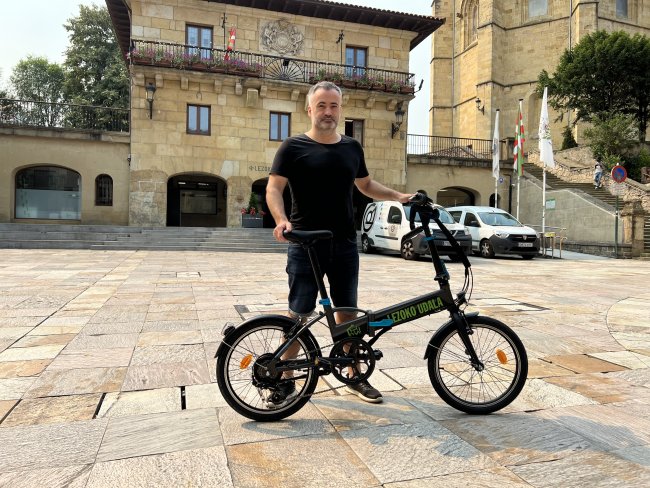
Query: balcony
30,113
239,63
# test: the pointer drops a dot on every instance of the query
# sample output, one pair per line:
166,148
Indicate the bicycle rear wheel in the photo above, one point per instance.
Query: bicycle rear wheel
459,384
242,376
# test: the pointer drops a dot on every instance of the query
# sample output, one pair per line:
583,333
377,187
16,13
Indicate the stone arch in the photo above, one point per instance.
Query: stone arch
196,200
455,195
47,192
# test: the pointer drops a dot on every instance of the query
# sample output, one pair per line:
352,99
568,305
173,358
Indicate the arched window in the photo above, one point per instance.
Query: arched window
104,191
470,26
48,192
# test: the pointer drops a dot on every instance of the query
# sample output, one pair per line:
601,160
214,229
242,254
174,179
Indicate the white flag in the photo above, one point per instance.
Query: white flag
496,148
545,143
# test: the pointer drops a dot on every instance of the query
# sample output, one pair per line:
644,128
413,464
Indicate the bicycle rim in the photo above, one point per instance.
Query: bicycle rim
468,389
240,361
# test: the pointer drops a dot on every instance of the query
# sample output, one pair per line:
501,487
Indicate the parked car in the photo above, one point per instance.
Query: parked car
386,223
495,231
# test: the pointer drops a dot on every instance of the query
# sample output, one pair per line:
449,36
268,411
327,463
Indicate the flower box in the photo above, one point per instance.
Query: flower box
252,221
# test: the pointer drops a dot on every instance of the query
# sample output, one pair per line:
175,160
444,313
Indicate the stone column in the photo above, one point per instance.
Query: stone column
239,191
148,198
632,217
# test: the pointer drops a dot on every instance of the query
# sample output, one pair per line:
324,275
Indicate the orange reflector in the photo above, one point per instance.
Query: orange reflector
245,362
502,356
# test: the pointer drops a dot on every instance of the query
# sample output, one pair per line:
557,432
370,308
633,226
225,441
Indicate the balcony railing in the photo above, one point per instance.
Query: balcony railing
240,63
29,113
451,147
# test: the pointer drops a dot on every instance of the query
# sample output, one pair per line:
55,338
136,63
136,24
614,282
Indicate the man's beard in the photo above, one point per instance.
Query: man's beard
326,124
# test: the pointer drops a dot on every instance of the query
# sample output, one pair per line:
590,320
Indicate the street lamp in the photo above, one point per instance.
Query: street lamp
399,118
151,90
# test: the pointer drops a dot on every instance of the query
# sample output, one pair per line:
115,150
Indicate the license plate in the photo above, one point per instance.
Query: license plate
525,244
446,243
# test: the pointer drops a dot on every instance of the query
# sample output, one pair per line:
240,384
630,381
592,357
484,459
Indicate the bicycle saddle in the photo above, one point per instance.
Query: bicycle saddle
307,237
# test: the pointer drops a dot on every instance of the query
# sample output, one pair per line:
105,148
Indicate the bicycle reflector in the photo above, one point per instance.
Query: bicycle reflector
501,356
246,361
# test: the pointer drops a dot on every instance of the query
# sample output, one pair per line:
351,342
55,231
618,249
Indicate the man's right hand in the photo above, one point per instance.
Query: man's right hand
280,228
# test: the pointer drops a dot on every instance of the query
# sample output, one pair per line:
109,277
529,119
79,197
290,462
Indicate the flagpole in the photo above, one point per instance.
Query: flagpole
496,158
518,182
545,156
544,208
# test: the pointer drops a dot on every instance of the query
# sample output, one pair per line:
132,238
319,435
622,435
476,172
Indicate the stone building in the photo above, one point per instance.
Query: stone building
489,54
206,121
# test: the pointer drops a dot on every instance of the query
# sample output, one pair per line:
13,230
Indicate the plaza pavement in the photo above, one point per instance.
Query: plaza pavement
107,378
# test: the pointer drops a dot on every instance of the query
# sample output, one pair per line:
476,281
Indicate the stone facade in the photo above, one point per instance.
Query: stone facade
497,52
238,150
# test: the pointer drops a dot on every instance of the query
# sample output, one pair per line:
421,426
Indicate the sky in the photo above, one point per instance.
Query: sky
36,27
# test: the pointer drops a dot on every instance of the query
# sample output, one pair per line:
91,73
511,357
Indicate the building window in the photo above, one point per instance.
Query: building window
354,129
279,126
470,26
198,120
199,37
48,192
104,191
537,8
357,57
621,8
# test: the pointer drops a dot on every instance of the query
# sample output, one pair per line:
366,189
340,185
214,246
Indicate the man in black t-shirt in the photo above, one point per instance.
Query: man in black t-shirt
321,168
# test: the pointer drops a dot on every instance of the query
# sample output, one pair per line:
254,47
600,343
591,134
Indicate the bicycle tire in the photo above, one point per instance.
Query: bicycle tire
235,375
459,384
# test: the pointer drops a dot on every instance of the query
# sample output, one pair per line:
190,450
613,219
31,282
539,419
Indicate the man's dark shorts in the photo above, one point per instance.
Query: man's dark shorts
339,260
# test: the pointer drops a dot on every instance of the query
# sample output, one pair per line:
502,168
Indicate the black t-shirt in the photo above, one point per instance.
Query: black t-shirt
321,179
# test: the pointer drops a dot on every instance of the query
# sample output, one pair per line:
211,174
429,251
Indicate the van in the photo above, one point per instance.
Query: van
495,231
385,224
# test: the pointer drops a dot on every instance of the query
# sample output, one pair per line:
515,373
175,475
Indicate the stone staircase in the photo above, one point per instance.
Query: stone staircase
102,237
559,184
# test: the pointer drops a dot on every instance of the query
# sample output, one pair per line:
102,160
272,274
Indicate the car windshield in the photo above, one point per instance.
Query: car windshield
445,217
501,218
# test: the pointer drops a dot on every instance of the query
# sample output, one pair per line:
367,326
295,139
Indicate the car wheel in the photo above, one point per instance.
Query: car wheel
407,250
527,256
486,249
365,245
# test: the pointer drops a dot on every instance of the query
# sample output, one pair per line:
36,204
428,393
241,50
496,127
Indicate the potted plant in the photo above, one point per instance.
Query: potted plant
251,215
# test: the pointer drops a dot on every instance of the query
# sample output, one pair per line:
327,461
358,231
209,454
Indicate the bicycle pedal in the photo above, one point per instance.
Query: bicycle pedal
378,354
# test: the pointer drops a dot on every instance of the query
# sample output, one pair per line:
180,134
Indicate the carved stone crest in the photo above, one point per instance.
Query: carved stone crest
282,37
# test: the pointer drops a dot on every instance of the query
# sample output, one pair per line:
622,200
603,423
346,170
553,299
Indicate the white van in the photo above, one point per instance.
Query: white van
495,231
385,223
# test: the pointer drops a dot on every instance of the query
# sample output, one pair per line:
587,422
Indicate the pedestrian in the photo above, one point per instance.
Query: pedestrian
598,174
321,168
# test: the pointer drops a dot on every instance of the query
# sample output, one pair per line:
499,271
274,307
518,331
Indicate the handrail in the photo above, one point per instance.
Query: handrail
31,113
449,147
242,63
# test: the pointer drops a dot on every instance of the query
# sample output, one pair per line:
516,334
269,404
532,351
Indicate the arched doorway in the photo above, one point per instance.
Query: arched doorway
196,200
259,189
498,200
48,192
455,196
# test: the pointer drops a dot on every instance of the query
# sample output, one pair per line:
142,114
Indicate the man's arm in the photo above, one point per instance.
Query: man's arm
274,190
373,189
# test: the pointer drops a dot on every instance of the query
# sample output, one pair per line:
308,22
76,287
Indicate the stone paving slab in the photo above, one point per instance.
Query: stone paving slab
133,378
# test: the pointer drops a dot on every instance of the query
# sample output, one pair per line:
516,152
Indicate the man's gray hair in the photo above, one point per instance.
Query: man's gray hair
323,85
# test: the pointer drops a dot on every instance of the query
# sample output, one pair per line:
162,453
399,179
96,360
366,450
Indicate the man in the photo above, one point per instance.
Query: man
321,167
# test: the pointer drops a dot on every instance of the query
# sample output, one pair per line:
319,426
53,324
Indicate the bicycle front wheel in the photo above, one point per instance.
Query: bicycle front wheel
459,384
244,380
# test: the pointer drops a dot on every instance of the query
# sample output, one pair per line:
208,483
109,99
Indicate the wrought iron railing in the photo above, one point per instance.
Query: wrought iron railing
451,147
183,56
29,113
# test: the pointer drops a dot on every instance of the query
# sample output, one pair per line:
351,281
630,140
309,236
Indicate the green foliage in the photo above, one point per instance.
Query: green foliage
35,78
568,141
95,70
605,73
633,164
253,207
611,138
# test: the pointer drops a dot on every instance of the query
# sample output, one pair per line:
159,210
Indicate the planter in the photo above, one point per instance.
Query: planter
252,221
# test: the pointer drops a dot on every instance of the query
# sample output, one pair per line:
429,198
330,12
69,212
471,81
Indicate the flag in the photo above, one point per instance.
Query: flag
519,143
545,143
496,148
231,44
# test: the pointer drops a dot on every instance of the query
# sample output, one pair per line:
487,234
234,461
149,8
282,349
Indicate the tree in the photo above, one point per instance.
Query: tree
604,74
612,138
95,70
41,83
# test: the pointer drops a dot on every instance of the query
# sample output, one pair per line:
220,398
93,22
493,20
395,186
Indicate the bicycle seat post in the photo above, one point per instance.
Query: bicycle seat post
325,300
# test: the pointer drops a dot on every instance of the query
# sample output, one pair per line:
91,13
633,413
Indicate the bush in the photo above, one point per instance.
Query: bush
633,164
612,136
568,141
